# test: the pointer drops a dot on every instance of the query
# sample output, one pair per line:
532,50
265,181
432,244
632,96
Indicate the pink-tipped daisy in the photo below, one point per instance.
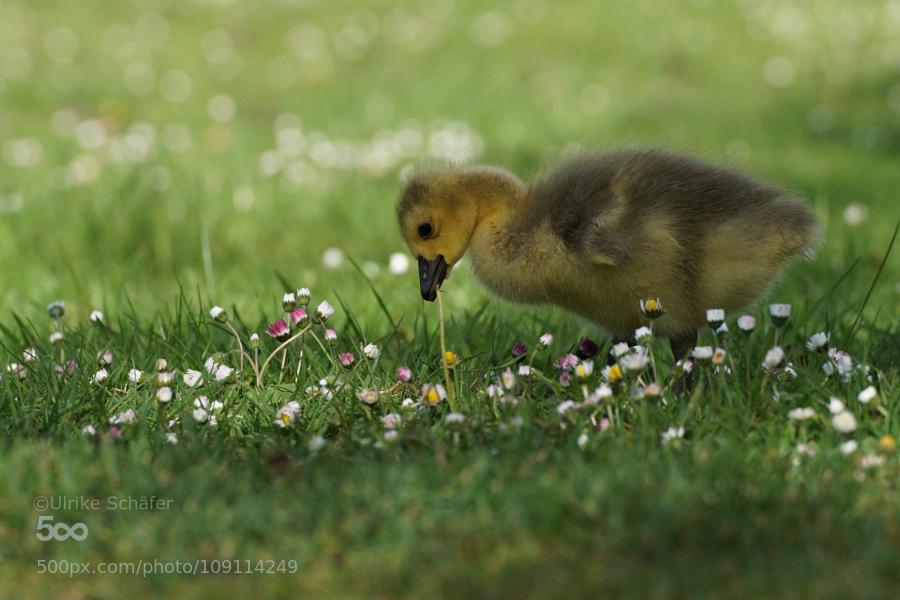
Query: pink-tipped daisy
403,373
299,317
279,329
346,358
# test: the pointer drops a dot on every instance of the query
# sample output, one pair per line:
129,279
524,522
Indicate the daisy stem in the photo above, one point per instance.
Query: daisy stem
240,345
451,391
269,358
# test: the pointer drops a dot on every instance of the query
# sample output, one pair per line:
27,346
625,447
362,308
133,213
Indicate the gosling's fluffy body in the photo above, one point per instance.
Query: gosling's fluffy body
604,230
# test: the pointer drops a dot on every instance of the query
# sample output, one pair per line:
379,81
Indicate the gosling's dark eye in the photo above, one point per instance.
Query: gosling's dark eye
425,230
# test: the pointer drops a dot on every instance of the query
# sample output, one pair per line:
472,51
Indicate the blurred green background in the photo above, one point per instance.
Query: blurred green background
211,145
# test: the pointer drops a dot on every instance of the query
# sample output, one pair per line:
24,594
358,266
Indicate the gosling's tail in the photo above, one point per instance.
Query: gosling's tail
800,232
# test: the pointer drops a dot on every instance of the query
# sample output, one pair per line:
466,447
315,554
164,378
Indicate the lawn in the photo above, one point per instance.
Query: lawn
170,170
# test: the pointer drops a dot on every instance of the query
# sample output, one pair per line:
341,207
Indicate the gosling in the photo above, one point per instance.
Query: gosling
603,231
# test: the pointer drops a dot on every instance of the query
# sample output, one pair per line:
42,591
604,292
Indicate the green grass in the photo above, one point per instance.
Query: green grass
507,503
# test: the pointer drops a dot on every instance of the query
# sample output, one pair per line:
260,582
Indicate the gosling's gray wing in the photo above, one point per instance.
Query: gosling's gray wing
584,206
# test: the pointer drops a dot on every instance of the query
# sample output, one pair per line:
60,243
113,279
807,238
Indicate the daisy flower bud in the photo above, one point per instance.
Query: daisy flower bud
164,378
746,323
299,317
508,379
817,342
835,405
587,348
162,364
172,437
21,371
56,309
564,379
391,421
288,301
652,391
565,406
780,313
868,394
546,339
278,330
324,310
844,422
164,394
525,370
634,362
56,337
566,362
702,353
96,317
652,308
774,358
519,349
89,430
254,341
135,375
643,334
200,415
346,358
801,414
29,354
192,378
105,357
368,396
303,296
451,358
331,336
371,351
672,434
455,418
619,349
223,373
218,313
722,331
715,317
390,436
100,376
403,373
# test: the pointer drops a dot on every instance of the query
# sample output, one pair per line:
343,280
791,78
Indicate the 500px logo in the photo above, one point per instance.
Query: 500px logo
59,532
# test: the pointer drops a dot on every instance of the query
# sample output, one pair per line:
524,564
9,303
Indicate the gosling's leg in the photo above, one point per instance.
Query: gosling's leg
681,345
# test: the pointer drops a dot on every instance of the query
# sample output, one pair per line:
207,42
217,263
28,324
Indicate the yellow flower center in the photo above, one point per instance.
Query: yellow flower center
615,373
887,442
286,418
432,396
450,358
650,305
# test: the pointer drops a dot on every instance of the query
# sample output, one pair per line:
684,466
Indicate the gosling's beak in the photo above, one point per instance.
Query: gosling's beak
431,276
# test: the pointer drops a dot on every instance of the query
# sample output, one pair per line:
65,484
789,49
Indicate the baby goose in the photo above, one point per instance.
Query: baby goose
605,230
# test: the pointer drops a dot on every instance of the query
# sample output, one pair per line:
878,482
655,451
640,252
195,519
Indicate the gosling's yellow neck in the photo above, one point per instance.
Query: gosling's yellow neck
497,195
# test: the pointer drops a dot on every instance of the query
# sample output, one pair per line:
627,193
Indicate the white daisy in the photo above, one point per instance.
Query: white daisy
844,422
817,342
867,395
801,414
192,378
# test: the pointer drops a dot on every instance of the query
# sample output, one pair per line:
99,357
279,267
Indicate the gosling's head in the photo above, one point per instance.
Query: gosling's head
440,209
